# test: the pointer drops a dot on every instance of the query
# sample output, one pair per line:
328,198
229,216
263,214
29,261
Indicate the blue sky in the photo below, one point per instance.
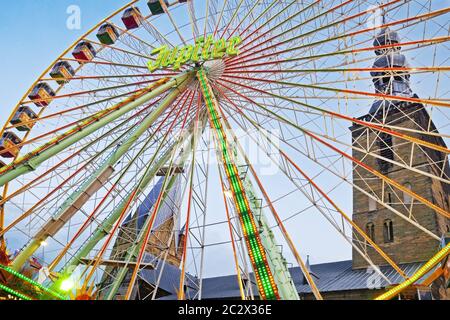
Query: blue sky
34,32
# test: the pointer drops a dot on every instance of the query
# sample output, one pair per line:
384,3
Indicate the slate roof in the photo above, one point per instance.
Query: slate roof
333,276
170,277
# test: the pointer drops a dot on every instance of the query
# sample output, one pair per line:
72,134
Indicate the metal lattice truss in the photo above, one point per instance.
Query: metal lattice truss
137,185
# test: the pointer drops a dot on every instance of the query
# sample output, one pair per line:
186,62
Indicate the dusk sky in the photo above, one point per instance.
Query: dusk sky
34,33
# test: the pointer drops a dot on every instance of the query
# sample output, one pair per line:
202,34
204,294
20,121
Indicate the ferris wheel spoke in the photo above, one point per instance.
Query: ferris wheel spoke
116,217
402,71
234,15
434,102
88,93
89,126
279,36
233,244
376,130
49,133
364,166
181,293
376,173
192,19
119,50
380,127
108,76
219,20
245,44
371,194
172,21
280,223
114,157
309,33
424,42
249,12
109,63
70,111
122,272
154,32
205,24
145,235
38,179
324,195
325,211
145,45
262,14
420,18
90,245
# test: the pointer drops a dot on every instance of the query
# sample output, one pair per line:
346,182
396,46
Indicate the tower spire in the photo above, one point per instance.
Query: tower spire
389,82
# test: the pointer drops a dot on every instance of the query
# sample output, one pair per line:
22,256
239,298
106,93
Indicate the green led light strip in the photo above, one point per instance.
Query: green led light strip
264,278
14,292
31,281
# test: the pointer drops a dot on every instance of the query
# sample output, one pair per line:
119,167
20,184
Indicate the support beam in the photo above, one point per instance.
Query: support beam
107,225
98,178
133,251
264,275
277,262
34,159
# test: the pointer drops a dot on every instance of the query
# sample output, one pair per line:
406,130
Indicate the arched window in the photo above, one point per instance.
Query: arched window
388,231
407,199
388,196
385,146
372,204
370,230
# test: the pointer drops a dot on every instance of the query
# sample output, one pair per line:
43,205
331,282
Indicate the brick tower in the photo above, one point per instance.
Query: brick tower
379,209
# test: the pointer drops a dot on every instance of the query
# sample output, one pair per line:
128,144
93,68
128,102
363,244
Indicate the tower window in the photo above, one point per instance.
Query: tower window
388,231
407,199
385,147
388,196
370,231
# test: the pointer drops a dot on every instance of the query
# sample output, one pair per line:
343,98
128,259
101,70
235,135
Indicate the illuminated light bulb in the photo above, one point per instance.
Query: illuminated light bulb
44,243
228,194
67,285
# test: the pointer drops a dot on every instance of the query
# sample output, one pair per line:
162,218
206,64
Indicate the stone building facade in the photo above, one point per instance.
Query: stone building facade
402,225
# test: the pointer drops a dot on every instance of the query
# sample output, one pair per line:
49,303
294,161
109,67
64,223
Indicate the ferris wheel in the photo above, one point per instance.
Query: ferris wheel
175,137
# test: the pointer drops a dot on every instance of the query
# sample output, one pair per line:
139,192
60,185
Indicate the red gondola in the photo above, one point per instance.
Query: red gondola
42,94
132,18
84,51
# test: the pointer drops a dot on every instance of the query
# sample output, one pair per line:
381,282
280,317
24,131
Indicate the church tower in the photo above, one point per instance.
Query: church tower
389,216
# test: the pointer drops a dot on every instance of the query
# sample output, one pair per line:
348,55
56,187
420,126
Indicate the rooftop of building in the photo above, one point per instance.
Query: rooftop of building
329,277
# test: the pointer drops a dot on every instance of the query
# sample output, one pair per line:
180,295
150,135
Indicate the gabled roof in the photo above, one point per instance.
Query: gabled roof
333,276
